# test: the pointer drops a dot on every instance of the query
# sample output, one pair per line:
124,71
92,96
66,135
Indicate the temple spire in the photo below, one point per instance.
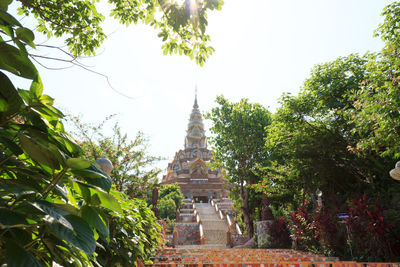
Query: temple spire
195,137
195,98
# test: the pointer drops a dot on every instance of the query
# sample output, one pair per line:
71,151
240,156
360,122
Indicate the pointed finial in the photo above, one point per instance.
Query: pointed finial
195,98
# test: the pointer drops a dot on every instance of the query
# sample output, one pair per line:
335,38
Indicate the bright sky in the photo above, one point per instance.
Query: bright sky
263,48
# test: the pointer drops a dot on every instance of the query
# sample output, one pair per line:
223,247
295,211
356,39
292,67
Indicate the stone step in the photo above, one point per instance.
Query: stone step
205,246
209,217
204,211
214,225
215,237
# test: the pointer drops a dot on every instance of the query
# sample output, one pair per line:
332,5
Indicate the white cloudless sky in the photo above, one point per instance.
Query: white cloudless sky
263,48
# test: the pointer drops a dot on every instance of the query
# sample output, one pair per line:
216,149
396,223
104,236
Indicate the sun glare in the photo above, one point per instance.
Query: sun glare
192,4
180,2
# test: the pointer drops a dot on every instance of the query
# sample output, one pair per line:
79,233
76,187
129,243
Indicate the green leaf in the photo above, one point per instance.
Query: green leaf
8,160
77,163
10,218
47,100
39,152
81,236
55,214
25,95
8,30
3,105
37,87
94,220
91,172
21,47
70,145
7,18
95,176
8,93
82,190
17,256
97,194
11,145
4,4
26,35
107,200
24,185
15,61
36,120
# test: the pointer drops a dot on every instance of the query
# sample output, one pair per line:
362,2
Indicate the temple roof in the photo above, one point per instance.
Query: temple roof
191,162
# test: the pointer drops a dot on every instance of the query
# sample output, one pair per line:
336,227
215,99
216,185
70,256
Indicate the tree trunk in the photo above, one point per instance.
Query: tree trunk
266,211
246,213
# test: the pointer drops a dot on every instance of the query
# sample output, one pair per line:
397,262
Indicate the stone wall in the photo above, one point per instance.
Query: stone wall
238,240
168,240
188,233
187,206
186,210
187,217
262,233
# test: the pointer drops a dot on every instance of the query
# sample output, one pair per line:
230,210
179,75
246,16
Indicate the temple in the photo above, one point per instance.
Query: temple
190,168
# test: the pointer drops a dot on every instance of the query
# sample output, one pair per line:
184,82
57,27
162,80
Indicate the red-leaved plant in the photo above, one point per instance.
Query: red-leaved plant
370,234
279,234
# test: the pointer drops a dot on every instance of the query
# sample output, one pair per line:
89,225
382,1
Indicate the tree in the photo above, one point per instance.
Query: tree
377,118
170,200
238,141
167,208
132,171
182,27
311,133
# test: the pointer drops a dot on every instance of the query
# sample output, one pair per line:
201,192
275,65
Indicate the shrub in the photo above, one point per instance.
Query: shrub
279,234
302,229
167,208
372,237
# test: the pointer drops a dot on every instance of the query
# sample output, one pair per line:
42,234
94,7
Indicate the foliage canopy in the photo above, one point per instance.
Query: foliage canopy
181,26
133,172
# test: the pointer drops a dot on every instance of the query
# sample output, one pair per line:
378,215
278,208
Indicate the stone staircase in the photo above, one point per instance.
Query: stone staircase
244,257
214,228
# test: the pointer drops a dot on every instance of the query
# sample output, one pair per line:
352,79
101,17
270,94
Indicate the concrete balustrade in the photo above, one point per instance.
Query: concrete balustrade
238,229
229,237
202,237
231,223
221,215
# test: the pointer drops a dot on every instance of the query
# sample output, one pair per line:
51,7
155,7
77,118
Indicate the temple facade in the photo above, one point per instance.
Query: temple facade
190,168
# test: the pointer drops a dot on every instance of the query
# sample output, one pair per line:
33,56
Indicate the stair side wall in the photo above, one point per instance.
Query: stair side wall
188,234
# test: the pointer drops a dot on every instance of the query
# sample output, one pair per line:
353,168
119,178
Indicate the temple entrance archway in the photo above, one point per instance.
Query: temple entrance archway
200,199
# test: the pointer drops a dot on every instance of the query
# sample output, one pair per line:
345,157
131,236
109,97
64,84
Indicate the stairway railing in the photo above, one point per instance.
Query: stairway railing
202,237
198,220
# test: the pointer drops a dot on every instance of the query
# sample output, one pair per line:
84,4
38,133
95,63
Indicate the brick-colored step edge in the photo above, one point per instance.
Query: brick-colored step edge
252,257
285,264
213,256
